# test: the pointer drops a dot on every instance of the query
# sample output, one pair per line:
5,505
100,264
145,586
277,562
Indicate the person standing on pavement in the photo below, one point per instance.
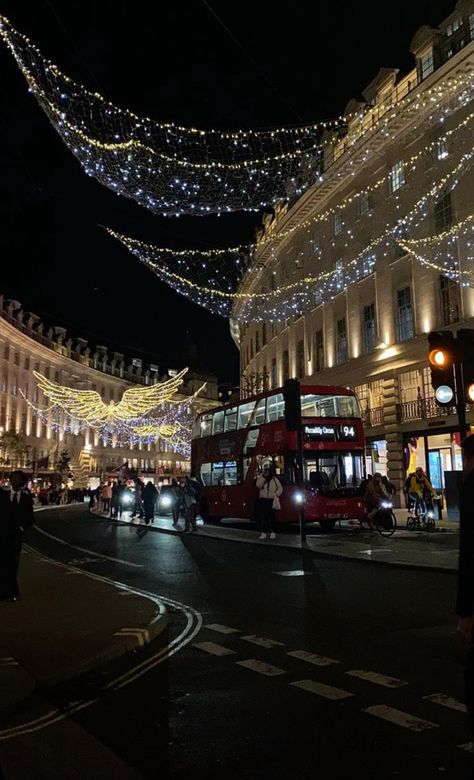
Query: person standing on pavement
465,590
16,514
270,489
175,495
190,505
149,496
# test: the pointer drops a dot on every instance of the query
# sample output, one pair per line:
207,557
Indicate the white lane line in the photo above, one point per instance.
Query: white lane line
261,641
319,689
446,701
261,668
468,746
377,679
294,573
221,629
312,658
213,649
400,718
85,550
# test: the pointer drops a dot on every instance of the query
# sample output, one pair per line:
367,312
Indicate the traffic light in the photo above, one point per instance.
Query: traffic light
292,396
442,356
465,343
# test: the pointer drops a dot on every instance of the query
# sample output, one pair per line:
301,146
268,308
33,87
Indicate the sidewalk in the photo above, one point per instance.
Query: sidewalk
66,622
413,549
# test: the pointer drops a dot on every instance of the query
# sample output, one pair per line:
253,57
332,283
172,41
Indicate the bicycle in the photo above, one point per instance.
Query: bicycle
421,517
384,520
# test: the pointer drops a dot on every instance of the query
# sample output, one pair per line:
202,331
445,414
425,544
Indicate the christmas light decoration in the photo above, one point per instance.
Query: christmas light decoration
173,170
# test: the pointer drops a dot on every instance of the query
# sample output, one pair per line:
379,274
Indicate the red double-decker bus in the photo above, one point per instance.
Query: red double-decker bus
231,443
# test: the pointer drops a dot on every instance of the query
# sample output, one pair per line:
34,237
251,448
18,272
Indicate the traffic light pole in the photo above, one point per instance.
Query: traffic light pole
460,400
301,484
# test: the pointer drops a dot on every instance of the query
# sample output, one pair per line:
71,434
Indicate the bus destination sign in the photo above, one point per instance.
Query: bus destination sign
330,432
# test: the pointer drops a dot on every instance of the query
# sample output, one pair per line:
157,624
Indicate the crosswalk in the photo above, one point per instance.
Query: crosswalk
337,691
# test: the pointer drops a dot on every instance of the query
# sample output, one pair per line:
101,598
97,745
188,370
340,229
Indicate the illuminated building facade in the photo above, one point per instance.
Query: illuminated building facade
403,170
26,345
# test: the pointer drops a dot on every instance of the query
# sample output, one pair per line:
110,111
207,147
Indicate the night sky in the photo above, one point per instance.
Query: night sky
176,63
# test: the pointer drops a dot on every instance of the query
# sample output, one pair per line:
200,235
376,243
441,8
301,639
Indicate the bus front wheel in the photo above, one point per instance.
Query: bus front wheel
327,525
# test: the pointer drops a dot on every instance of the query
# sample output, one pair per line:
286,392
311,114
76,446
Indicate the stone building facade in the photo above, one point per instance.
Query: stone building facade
407,150
27,345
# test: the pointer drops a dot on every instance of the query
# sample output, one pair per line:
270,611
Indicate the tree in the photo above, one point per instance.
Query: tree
62,467
12,448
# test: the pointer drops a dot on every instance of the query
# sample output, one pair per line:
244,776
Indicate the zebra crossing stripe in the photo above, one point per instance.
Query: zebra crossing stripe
400,718
261,641
446,701
221,629
319,689
213,648
312,658
376,678
261,668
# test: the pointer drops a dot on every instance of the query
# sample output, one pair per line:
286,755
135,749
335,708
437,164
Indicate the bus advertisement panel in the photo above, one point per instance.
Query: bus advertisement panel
231,444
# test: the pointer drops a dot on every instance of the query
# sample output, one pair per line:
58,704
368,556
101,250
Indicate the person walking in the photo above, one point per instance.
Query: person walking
150,496
137,510
190,505
270,489
16,514
106,496
465,588
175,495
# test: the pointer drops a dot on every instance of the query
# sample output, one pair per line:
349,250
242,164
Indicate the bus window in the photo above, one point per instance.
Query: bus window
218,473
230,423
218,422
251,441
260,412
206,469
196,428
347,406
275,407
230,473
329,406
334,470
206,425
245,412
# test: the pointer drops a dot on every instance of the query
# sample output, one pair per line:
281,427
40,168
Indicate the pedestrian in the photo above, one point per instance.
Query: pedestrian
190,505
465,591
175,495
270,489
16,514
150,496
114,501
106,496
137,509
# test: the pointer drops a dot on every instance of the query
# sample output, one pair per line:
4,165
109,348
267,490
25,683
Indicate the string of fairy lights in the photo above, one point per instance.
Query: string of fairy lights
174,170
144,415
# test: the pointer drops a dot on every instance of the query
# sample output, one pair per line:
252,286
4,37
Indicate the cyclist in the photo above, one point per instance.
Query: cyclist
420,490
375,493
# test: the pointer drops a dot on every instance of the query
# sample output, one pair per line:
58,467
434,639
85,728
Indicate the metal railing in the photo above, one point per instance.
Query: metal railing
373,417
422,409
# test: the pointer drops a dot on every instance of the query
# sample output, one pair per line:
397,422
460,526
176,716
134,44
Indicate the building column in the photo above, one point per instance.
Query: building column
393,436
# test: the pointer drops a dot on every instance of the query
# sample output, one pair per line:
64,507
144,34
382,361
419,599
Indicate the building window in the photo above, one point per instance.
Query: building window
441,148
27,363
273,378
364,204
471,26
370,328
16,358
14,387
300,372
337,222
450,300
426,65
451,28
341,341
397,176
404,315
318,351
286,364
443,213
6,353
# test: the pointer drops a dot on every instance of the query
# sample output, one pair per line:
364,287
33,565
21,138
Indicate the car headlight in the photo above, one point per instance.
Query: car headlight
165,501
127,499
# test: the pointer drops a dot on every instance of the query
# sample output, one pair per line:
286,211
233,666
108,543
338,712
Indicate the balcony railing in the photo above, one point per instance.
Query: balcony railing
373,417
422,409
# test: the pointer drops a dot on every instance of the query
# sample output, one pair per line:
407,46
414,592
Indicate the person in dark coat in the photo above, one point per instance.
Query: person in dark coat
465,592
16,514
149,497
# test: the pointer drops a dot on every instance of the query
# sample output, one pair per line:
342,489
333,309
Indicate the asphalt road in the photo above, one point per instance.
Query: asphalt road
323,674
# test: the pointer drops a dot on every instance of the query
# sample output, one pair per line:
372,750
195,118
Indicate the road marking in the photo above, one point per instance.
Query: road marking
312,658
377,679
213,648
468,746
85,550
446,701
141,635
294,573
326,691
261,641
261,668
221,629
400,718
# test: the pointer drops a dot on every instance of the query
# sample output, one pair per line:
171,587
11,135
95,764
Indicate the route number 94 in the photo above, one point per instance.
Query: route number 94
348,431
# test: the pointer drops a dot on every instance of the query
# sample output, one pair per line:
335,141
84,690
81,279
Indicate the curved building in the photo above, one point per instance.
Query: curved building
348,299
27,345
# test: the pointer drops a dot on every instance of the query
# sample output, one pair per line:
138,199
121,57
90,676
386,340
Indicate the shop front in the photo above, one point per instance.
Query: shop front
376,456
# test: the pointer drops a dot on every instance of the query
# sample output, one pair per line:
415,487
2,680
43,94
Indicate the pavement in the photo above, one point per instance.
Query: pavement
437,550
66,622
